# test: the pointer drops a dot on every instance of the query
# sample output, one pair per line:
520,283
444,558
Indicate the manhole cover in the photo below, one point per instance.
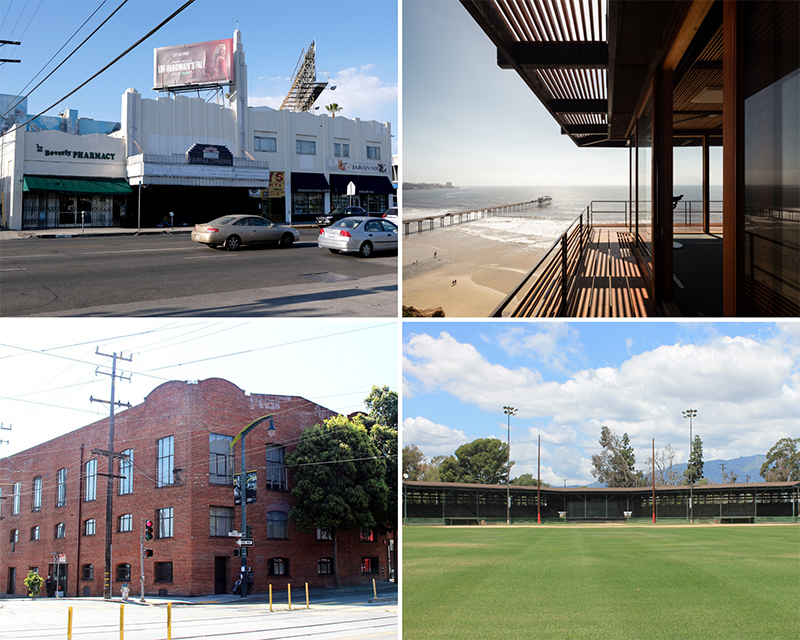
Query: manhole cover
327,277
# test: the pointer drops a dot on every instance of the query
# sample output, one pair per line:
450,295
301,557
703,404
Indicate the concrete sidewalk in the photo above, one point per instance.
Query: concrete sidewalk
89,232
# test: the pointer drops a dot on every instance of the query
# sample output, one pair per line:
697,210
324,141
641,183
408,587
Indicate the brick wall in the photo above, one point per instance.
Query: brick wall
188,412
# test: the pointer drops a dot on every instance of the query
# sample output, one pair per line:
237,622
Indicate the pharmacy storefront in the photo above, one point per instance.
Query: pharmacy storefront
73,181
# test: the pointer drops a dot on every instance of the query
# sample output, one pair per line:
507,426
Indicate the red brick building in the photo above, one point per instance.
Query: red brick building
179,476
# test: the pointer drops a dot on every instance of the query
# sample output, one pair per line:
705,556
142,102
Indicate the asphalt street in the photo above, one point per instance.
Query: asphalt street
169,275
348,616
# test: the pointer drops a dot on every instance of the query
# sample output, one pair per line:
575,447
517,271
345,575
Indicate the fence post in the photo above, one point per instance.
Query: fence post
122,622
270,597
69,624
289,591
169,621
307,602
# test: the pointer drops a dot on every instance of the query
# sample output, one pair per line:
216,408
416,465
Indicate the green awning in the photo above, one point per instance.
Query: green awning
103,186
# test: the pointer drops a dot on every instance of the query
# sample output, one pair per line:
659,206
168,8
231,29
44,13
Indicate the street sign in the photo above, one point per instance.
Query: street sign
245,542
234,534
351,189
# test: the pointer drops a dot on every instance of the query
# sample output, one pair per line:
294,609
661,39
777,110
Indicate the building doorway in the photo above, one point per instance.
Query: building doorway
59,572
220,574
12,581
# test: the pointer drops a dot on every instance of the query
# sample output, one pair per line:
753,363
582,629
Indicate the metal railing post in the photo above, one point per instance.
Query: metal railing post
564,273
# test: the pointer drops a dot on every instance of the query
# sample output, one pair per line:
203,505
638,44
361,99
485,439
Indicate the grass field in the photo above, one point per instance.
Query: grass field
733,582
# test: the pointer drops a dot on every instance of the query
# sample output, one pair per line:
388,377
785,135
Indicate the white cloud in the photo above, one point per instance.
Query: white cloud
746,391
433,439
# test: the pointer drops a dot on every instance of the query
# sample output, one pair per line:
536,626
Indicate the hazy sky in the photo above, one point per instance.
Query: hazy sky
48,367
356,44
567,380
468,122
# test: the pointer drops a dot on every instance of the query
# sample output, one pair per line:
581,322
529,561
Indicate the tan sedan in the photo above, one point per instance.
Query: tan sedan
236,230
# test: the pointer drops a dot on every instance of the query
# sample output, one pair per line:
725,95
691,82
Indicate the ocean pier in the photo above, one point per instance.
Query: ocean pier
428,223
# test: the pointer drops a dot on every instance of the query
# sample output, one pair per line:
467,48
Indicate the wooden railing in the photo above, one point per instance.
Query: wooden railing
544,291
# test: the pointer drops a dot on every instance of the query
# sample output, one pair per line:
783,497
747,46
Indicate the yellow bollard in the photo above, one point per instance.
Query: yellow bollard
169,621
122,622
69,624
270,597
374,588
289,590
307,607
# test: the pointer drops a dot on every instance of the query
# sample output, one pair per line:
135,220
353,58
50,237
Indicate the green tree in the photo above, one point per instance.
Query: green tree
694,470
783,461
34,584
414,464
432,470
339,481
333,109
527,480
482,461
385,440
382,406
614,467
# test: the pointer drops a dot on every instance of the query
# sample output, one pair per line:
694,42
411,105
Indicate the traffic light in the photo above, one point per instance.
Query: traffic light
249,532
148,553
148,530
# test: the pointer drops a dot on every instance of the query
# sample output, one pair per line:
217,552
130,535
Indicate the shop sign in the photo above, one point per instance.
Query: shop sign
377,167
277,184
209,154
78,155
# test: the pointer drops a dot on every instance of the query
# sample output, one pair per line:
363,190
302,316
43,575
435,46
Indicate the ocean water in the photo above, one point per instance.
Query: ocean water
537,226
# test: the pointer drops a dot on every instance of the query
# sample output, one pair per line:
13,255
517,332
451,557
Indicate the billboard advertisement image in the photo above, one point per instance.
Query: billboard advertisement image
193,65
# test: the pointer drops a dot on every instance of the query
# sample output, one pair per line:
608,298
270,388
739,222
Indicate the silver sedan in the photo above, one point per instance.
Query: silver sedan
361,234
236,230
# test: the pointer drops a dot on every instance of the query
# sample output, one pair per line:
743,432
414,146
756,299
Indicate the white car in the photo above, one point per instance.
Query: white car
361,234
390,214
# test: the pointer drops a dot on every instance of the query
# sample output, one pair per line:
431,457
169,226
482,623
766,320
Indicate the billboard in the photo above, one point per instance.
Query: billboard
193,65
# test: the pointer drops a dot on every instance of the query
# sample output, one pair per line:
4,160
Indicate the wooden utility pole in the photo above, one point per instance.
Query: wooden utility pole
110,454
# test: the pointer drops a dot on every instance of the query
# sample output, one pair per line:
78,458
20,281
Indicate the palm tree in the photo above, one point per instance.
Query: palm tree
333,109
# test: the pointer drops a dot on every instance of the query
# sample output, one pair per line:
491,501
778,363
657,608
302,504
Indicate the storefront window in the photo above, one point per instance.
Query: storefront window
307,205
771,158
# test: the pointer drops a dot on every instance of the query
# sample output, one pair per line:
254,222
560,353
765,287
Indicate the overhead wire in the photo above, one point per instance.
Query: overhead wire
106,67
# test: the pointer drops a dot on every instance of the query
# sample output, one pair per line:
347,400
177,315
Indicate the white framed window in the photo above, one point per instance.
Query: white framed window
125,522
165,461
36,504
164,517
126,471
35,533
265,143
61,488
61,530
17,497
90,527
305,147
341,149
90,488
373,153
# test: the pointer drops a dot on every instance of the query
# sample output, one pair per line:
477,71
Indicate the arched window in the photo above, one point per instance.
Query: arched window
61,530
89,527
36,504
35,533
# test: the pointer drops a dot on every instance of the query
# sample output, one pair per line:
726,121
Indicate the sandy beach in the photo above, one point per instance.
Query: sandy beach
468,276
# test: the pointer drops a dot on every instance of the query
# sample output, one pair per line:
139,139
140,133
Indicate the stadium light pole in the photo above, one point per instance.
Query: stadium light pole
690,413
509,411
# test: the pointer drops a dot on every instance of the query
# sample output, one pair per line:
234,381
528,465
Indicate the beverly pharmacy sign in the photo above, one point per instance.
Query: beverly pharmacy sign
77,155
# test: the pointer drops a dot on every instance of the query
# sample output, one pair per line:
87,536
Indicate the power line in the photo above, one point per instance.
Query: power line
21,98
105,68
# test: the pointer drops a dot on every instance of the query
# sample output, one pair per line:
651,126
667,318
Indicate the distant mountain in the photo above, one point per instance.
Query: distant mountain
742,467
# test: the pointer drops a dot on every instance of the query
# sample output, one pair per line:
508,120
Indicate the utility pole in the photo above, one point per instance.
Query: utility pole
509,411
722,466
690,413
110,454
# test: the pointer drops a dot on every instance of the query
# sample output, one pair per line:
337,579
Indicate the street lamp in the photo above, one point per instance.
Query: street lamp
690,413
509,411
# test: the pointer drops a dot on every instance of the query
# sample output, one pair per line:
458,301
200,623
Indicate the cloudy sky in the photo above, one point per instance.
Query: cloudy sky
49,369
567,380
468,122
356,47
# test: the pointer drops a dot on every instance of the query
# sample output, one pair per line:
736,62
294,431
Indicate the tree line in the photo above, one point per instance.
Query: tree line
485,461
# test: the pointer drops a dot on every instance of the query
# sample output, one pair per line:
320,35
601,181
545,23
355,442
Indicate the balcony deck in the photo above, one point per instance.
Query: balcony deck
609,283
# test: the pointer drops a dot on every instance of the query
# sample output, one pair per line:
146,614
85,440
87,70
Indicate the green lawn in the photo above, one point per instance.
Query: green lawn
618,582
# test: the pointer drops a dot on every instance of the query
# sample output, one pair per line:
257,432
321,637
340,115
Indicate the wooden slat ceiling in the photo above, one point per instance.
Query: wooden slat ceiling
560,49
589,61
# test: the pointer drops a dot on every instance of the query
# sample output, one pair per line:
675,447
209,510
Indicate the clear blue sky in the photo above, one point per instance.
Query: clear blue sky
468,122
48,366
356,43
567,380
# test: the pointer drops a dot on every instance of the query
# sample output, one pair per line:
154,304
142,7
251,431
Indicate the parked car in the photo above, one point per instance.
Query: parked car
362,234
390,214
327,219
236,230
